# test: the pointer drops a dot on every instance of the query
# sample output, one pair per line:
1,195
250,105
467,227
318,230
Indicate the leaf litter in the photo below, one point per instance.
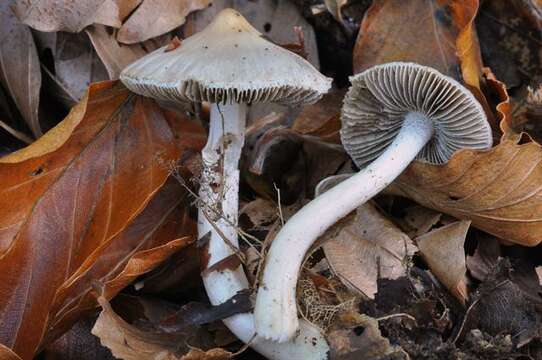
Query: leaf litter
99,211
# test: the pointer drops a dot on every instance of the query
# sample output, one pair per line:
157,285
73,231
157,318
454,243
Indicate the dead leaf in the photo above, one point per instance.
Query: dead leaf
418,220
347,344
365,247
510,129
76,63
19,66
156,17
115,56
213,354
501,306
262,213
499,190
168,335
293,163
78,204
434,33
72,15
444,251
130,343
7,354
78,344
322,119
485,257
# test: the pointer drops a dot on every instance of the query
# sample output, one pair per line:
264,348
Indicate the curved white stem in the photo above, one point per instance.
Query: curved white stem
219,192
276,311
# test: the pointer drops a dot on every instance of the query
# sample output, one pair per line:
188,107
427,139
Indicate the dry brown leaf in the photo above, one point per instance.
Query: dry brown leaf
443,250
130,343
76,64
485,258
365,247
262,213
346,344
499,190
19,66
156,17
79,203
114,55
72,15
213,354
418,220
167,332
322,119
295,164
435,33
78,344
7,354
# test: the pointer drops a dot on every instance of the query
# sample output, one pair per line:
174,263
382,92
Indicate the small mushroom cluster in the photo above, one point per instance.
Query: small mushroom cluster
392,114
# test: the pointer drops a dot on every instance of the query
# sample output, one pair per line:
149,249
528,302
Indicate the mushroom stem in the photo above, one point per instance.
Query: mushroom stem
223,276
276,310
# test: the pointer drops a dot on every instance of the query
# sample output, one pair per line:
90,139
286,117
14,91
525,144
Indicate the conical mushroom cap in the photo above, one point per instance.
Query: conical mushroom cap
229,61
376,104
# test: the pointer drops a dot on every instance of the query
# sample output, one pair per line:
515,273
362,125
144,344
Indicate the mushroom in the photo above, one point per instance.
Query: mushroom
392,114
230,65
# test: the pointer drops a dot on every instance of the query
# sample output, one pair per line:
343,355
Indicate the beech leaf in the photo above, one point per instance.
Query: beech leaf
82,204
499,190
434,33
72,15
115,56
365,247
19,66
444,251
156,17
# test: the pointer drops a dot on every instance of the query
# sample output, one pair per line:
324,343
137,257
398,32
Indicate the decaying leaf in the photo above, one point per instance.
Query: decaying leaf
439,34
72,15
165,334
76,63
499,190
115,56
348,344
293,163
156,17
485,258
443,249
78,343
262,213
365,247
213,354
7,354
322,119
130,343
19,66
418,220
79,205
501,306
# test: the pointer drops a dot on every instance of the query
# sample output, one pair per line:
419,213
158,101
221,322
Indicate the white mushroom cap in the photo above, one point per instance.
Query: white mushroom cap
380,97
229,61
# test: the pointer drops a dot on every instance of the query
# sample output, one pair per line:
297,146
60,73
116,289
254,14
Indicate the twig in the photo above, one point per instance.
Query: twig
279,204
17,134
